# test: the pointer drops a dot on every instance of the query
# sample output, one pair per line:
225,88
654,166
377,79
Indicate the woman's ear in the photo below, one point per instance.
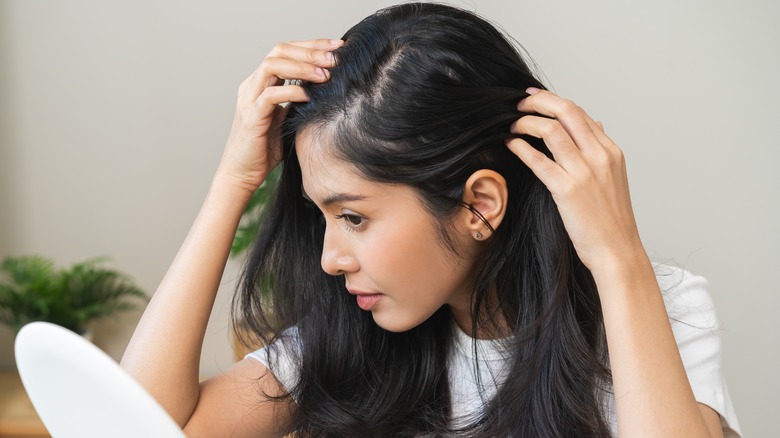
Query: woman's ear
486,192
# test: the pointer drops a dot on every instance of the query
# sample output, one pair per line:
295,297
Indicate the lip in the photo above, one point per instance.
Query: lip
366,300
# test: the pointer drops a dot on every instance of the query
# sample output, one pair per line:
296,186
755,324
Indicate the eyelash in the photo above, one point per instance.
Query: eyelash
349,220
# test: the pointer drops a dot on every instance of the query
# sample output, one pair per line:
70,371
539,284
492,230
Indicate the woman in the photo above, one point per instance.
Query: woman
451,251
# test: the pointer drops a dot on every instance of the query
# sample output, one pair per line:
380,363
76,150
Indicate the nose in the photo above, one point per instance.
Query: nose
337,257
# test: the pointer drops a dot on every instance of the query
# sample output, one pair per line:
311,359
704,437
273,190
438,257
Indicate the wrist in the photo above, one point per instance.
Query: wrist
231,189
623,266
227,181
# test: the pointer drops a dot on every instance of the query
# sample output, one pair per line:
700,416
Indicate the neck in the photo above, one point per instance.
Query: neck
493,325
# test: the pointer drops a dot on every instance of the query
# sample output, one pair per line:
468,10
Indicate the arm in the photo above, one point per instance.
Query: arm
164,352
646,366
589,185
234,404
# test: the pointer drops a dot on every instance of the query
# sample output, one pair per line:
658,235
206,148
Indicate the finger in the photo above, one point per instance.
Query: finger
273,71
282,68
273,96
565,152
597,127
572,117
612,149
319,44
549,172
598,131
318,57
314,52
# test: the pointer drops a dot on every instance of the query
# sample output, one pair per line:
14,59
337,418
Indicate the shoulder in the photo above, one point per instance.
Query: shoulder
281,358
687,297
693,319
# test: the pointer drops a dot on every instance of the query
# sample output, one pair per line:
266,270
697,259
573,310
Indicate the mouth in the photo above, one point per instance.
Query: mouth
366,300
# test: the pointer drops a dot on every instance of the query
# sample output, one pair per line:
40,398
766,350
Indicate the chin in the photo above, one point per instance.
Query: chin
395,324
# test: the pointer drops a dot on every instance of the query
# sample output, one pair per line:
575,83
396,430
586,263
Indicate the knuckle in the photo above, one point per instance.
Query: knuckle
602,159
246,84
614,155
266,64
269,96
551,128
263,99
266,69
618,155
311,56
568,188
539,160
568,107
242,87
521,125
276,50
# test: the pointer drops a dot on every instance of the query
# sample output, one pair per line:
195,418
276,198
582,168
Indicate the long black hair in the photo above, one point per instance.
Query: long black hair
424,95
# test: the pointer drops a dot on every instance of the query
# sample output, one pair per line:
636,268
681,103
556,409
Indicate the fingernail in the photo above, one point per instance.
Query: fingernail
331,58
336,42
321,72
532,90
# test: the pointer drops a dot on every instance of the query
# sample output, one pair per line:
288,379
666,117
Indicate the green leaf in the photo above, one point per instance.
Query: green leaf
31,289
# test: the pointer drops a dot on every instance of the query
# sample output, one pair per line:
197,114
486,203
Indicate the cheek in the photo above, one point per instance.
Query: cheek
410,259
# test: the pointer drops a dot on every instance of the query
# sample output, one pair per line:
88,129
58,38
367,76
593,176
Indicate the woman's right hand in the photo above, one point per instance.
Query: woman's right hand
254,146
175,321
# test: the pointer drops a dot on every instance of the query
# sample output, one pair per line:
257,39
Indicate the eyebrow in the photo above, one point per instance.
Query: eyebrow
341,197
336,197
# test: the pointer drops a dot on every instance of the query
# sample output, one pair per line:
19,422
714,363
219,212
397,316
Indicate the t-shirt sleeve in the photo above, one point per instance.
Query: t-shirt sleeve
279,358
697,331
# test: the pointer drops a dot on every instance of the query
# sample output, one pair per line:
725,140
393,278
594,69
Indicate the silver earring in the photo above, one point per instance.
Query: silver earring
479,235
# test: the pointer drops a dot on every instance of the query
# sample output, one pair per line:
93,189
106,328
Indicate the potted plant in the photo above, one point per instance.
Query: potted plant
32,289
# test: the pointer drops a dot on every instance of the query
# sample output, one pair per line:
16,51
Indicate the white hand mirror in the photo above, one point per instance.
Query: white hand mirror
80,392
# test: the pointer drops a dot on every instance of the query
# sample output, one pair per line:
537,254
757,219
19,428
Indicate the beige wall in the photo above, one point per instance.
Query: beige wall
114,114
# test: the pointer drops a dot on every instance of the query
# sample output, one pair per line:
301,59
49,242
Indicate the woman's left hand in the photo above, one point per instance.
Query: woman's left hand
587,179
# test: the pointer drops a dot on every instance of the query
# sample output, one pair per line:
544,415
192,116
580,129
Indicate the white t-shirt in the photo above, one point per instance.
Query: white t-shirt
694,323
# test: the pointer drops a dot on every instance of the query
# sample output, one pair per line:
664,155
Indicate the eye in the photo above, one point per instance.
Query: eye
353,221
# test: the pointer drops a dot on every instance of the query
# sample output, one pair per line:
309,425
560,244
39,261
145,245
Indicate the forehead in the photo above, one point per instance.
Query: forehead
325,175
319,166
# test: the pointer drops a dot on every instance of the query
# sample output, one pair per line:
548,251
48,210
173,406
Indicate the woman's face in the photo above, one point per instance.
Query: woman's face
379,237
